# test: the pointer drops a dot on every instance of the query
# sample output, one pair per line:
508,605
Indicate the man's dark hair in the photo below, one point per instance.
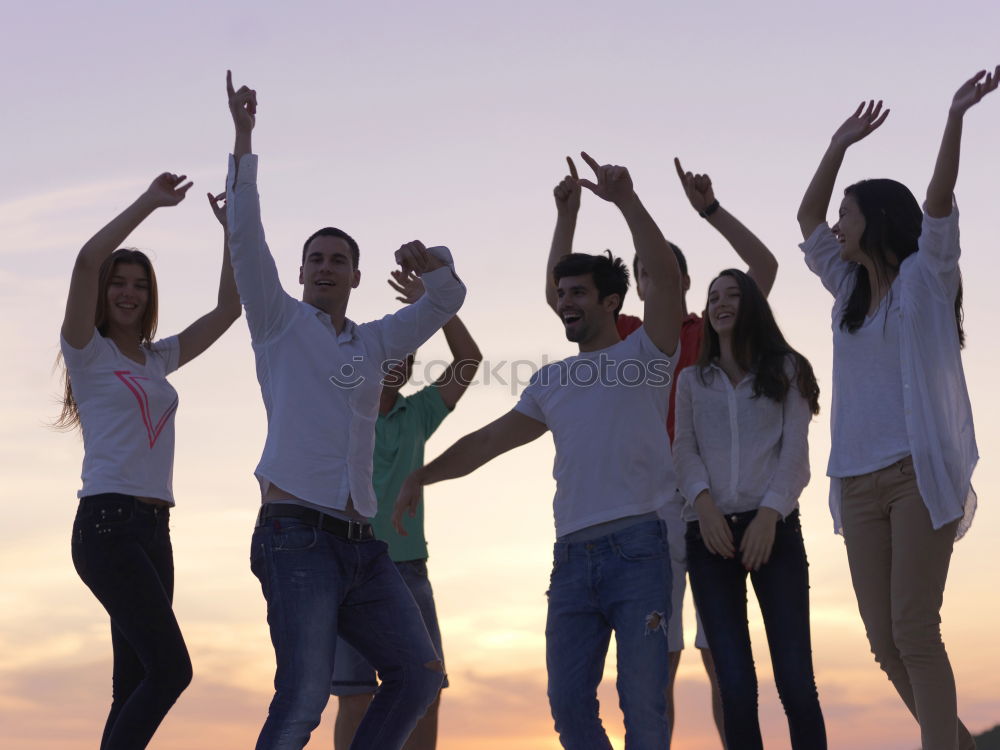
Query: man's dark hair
681,261
610,274
334,232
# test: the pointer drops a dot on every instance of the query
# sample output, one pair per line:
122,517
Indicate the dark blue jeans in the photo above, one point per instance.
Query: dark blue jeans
318,584
782,588
121,550
621,583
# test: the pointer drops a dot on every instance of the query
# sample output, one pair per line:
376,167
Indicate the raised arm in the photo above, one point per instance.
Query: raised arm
81,304
816,201
762,265
663,304
205,331
942,184
243,107
510,431
466,356
567,195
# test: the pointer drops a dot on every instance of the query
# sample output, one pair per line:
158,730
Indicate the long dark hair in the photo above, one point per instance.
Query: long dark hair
69,417
758,346
893,221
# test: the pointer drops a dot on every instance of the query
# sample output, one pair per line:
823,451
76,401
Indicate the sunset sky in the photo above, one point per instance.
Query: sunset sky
448,121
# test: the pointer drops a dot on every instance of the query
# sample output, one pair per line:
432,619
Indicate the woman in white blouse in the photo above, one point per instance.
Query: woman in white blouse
116,391
742,458
903,446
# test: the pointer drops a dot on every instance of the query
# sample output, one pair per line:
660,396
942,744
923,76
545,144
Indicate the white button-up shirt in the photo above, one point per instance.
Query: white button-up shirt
747,452
320,388
936,403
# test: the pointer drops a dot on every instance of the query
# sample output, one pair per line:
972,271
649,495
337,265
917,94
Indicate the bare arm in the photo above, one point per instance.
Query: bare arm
663,304
762,265
205,331
510,431
567,195
816,201
942,184
81,303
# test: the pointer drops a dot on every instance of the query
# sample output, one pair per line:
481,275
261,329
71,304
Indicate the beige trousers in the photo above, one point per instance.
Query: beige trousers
899,565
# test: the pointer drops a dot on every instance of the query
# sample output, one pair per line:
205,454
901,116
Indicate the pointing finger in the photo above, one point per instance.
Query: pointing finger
680,169
229,83
590,161
572,169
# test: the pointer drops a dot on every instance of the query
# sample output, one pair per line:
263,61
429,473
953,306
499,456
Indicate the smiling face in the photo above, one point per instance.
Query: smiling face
584,316
127,297
724,305
849,230
327,273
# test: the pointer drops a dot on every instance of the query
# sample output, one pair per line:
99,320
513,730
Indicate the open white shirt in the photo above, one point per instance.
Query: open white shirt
320,388
747,452
938,414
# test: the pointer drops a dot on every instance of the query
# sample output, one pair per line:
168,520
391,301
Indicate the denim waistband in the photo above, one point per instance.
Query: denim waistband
117,499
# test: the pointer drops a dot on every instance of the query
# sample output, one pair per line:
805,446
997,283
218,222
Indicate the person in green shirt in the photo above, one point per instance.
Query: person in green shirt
403,427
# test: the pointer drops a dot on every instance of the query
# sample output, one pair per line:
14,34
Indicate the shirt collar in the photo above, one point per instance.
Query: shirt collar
350,331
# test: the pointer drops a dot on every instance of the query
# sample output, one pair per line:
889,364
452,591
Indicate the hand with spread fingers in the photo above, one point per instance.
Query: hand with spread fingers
218,205
973,90
715,531
861,124
410,287
414,258
167,190
567,192
242,105
614,183
697,187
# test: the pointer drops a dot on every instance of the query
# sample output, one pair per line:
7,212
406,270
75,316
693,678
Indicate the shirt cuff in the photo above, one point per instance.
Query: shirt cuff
691,492
820,233
777,501
436,279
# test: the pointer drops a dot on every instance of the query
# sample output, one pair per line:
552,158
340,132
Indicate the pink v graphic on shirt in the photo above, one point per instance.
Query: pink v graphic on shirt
132,383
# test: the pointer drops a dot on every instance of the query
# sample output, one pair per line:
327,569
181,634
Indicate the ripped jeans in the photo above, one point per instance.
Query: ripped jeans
620,582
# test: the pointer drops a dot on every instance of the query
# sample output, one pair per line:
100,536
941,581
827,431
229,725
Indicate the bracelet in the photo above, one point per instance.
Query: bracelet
710,209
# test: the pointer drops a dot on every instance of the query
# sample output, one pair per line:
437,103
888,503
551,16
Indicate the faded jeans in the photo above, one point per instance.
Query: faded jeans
616,583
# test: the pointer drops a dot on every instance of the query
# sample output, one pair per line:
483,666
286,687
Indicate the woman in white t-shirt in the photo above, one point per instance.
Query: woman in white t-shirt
742,457
903,446
117,393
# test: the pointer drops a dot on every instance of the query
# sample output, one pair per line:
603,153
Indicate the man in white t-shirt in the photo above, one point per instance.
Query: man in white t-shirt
606,408
321,570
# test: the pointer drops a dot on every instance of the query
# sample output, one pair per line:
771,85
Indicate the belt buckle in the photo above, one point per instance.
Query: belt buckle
355,531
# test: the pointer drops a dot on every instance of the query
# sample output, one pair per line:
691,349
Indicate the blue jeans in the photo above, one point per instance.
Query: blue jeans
352,674
782,588
121,550
317,584
621,583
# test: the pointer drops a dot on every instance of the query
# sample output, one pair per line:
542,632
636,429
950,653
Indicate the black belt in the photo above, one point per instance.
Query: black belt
354,531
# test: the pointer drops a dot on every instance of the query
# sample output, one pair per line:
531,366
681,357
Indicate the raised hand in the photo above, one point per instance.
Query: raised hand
861,123
614,183
242,105
414,258
410,287
167,190
973,90
567,192
217,209
697,187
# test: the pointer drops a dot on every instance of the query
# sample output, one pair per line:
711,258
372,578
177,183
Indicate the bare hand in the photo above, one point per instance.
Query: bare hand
614,183
410,287
407,501
242,105
758,539
167,190
973,90
861,123
218,210
715,531
414,258
567,192
697,187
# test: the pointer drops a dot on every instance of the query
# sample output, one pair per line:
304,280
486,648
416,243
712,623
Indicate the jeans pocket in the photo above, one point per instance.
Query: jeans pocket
293,537
641,544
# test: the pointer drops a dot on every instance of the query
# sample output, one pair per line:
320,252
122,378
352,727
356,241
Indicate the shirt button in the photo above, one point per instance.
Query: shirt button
732,518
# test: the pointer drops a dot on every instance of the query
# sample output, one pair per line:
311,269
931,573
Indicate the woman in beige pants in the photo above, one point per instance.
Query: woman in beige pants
903,446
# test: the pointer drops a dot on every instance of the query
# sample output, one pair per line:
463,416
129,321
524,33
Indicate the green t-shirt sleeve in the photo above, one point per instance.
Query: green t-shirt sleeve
431,408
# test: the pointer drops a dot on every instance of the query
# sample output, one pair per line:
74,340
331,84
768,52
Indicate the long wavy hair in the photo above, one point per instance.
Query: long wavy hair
893,221
758,346
69,417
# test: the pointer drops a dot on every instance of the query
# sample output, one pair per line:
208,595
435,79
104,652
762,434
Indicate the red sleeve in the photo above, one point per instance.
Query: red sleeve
691,331
627,325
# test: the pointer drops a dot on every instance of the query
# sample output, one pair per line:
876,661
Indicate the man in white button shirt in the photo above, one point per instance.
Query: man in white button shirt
606,408
320,568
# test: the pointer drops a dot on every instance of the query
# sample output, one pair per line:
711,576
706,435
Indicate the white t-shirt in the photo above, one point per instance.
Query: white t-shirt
127,416
606,410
